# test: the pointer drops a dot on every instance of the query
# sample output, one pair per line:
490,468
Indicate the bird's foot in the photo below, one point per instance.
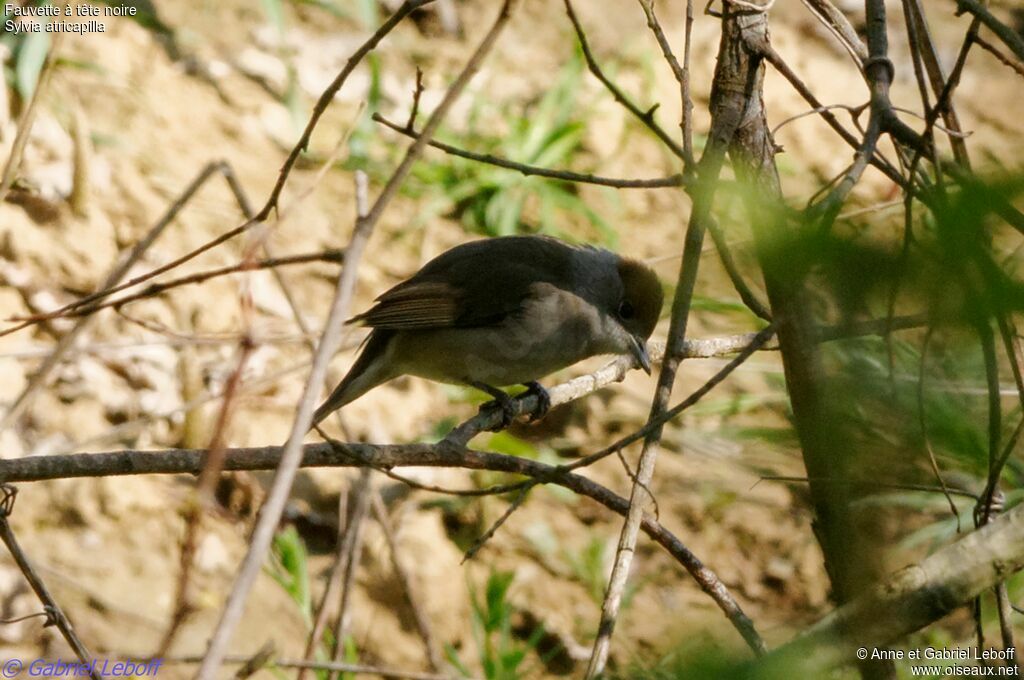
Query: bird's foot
501,401
543,399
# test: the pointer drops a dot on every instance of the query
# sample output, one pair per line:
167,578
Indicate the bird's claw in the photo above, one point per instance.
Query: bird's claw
507,407
501,400
543,400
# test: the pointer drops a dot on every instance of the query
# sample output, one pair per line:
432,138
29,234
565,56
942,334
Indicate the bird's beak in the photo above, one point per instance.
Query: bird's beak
638,348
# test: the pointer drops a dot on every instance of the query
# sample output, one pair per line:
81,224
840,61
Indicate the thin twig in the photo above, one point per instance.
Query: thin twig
565,175
645,117
380,512
923,423
273,506
872,484
776,60
837,24
482,539
54,613
998,54
1007,35
406,8
933,65
348,523
139,249
687,121
316,632
747,295
680,74
26,120
113,277
416,94
1005,614
204,497
351,552
332,256
725,121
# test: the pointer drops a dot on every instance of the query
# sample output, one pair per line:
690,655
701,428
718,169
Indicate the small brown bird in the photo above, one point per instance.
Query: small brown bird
504,311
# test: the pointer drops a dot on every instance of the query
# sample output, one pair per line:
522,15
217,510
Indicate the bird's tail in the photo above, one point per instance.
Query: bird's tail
370,369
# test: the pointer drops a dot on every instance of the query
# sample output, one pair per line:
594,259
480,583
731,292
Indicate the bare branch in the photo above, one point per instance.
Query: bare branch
566,175
910,599
727,112
113,277
55,615
645,117
404,10
837,23
380,513
1006,34
682,76
444,454
998,54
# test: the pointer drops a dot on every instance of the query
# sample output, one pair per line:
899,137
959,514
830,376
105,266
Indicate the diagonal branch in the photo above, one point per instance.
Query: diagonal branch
404,10
645,117
54,614
1006,34
330,341
909,600
565,175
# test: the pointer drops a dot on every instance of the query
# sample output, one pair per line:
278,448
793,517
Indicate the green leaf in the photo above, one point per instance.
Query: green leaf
28,63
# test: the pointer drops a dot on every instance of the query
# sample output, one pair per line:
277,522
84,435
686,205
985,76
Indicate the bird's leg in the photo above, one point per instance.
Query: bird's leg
501,400
543,399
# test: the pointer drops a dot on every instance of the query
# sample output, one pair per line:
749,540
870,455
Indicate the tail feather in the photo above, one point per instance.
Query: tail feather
369,370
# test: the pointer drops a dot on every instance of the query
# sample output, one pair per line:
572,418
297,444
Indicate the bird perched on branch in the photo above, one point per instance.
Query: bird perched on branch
505,311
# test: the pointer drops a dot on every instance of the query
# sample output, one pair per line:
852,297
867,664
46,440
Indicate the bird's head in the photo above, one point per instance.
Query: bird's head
638,307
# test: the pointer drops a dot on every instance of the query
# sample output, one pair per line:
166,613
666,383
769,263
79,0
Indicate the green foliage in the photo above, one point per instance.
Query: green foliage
28,54
501,652
589,566
497,202
290,569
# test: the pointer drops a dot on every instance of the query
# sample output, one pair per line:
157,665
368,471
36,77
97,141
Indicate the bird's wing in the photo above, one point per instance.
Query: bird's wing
469,286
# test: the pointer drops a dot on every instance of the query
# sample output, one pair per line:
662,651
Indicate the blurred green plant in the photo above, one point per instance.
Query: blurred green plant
495,201
27,55
501,653
290,568
590,566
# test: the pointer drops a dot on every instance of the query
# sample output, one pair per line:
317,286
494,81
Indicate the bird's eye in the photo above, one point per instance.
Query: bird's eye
626,310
